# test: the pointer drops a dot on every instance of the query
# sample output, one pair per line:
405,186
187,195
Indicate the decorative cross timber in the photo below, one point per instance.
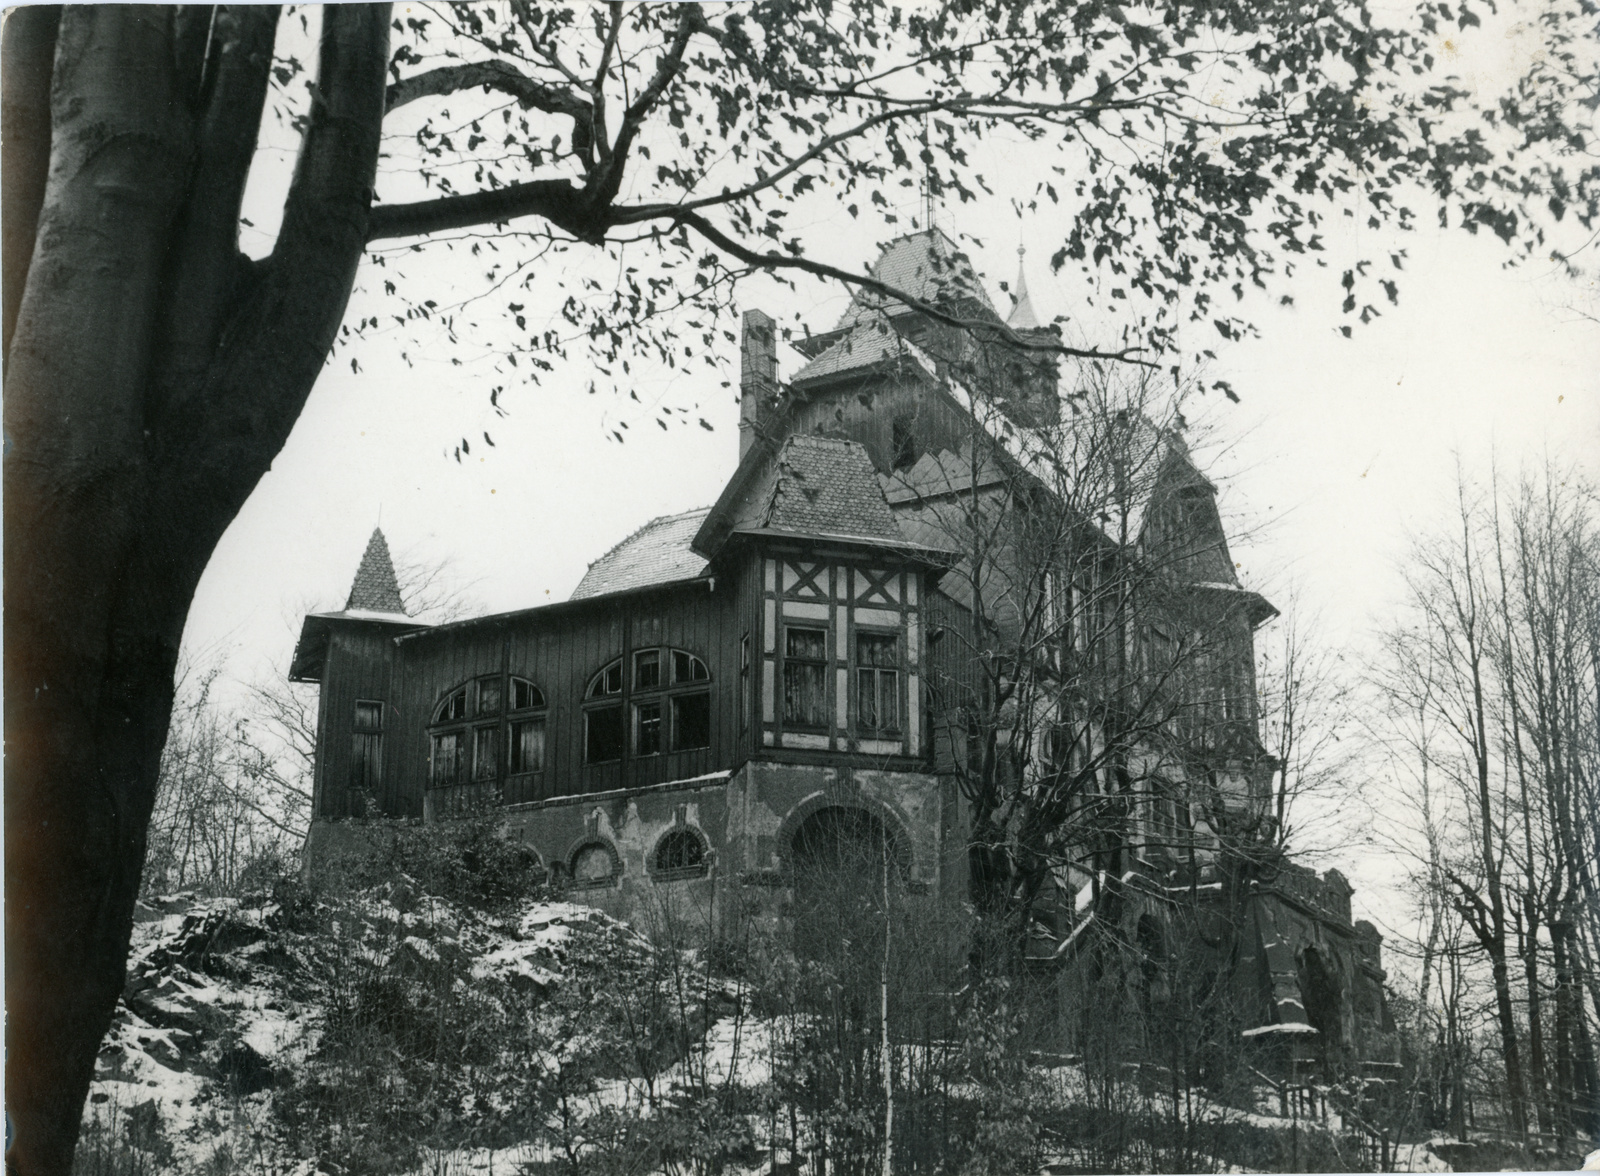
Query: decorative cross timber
801,579
878,585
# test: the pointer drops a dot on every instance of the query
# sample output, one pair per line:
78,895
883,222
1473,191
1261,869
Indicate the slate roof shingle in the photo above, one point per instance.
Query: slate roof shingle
375,588
825,486
657,553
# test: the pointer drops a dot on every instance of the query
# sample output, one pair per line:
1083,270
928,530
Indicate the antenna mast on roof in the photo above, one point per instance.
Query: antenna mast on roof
927,180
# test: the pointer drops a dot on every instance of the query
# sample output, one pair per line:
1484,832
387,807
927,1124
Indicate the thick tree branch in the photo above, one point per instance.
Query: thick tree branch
206,269
561,202
493,75
278,339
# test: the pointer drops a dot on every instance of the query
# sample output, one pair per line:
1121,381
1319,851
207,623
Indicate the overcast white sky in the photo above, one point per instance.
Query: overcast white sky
1339,446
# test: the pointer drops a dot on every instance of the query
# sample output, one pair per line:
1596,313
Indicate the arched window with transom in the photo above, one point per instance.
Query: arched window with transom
656,704
485,728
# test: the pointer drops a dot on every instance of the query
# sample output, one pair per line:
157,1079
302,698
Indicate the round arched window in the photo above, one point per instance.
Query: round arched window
679,854
658,704
466,732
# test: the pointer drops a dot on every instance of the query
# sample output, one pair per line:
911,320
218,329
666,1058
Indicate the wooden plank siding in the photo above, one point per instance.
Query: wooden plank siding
560,652
867,415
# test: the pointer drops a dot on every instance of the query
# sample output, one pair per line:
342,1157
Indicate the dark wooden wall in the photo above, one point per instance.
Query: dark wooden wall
559,650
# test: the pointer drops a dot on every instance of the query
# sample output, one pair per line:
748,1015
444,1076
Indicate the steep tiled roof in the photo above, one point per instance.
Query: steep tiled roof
657,553
375,588
826,486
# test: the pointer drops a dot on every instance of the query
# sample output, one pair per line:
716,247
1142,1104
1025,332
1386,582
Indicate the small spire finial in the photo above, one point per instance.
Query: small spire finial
1022,317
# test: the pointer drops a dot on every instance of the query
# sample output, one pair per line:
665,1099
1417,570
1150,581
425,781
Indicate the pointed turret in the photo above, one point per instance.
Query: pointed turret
375,588
1022,317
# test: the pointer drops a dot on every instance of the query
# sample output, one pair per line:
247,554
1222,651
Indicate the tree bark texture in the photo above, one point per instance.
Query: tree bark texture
153,375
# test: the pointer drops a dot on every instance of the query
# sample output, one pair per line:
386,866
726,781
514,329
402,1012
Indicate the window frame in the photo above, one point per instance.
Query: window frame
517,717
878,672
700,868
819,665
657,703
366,747
482,718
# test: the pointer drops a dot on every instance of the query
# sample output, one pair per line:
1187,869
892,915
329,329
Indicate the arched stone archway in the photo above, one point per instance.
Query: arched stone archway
845,867
823,819
1323,999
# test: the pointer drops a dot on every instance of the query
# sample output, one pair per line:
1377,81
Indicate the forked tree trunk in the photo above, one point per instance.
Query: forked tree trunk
152,377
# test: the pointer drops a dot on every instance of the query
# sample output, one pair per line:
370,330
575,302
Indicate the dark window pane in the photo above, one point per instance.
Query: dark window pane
877,700
604,735
647,728
903,435
525,695
608,681
366,761
485,760
489,696
805,696
888,700
647,669
810,644
369,716
744,682
452,708
691,722
446,758
877,649
527,746
866,699
688,668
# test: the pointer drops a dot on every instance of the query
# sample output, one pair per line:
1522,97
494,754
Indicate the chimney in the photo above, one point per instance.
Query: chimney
758,376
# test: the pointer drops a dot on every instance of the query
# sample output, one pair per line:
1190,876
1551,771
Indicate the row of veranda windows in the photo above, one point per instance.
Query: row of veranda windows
657,701
668,709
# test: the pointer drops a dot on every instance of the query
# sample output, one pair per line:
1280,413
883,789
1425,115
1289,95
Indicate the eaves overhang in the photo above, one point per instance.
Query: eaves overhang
311,649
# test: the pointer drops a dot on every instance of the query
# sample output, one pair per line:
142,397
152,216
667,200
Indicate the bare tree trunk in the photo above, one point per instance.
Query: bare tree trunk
136,438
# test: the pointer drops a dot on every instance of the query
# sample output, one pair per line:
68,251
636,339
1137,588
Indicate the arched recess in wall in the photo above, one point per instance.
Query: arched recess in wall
1324,1001
848,867
861,823
593,863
